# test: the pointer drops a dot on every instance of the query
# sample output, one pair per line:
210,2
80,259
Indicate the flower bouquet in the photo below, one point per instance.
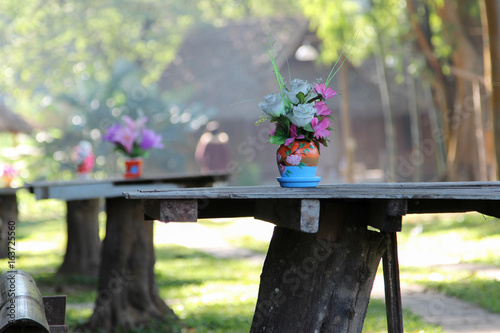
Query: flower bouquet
84,158
134,139
300,113
302,124
7,174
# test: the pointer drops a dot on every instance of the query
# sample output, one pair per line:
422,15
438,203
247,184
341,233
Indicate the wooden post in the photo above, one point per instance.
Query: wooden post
127,293
8,212
393,305
55,312
83,244
320,282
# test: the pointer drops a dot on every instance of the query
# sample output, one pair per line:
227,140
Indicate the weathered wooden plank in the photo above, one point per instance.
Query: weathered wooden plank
171,210
8,212
309,215
437,191
179,211
151,209
296,214
91,190
385,215
58,328
223,209
55,309
114,187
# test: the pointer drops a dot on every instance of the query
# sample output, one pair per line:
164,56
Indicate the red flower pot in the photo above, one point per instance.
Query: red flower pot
133,167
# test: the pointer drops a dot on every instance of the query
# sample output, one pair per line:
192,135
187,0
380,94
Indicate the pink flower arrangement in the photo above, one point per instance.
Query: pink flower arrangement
300,113
7,173
299,110
132,138
84,157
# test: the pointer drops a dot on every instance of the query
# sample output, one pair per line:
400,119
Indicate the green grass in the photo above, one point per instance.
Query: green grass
219,295
454,238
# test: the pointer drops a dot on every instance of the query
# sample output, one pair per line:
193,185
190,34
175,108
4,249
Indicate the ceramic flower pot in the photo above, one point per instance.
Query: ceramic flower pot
297,164
133,167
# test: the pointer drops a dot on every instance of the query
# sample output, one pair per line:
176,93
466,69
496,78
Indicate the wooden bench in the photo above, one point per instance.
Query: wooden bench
323,258
83,203
126,293
23,309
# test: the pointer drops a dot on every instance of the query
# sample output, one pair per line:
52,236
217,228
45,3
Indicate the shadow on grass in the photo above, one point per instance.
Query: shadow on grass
220,318
172,252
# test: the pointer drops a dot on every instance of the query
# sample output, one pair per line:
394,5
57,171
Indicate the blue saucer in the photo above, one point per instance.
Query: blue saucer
299,181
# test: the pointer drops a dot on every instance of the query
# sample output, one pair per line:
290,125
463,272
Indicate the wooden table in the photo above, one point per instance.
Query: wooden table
127,293
323,257
8,212
82,256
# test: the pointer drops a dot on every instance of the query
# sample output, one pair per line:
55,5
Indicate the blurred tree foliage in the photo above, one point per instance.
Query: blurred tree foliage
61,58
74,66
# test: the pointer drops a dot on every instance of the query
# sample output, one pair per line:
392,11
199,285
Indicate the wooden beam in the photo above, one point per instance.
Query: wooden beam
55,309
182,210
296,214
385,215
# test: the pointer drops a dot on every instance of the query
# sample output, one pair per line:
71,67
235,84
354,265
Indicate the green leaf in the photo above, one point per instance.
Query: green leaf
301,97
277,140
308,128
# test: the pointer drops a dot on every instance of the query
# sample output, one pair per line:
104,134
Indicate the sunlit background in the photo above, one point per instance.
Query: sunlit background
415,104
414,93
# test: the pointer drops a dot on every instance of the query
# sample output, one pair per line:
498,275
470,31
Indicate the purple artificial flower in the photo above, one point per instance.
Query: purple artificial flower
132,136
324,91
111,133
272,132
320,128
150,140
293,135
126,137
322,109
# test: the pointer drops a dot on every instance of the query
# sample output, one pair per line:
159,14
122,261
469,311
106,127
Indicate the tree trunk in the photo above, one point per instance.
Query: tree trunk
83,244
390,133
8,212
437,134
348,139
490,14
414,121
467,60
441,87
320,282
127,293
479,130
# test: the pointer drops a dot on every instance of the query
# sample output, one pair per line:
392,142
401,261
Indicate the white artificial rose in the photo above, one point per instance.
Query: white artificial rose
272,105
302,114
297,86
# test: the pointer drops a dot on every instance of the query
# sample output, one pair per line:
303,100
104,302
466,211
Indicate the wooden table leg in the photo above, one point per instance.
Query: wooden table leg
8,212
83,244
393,303
320,282
127,292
